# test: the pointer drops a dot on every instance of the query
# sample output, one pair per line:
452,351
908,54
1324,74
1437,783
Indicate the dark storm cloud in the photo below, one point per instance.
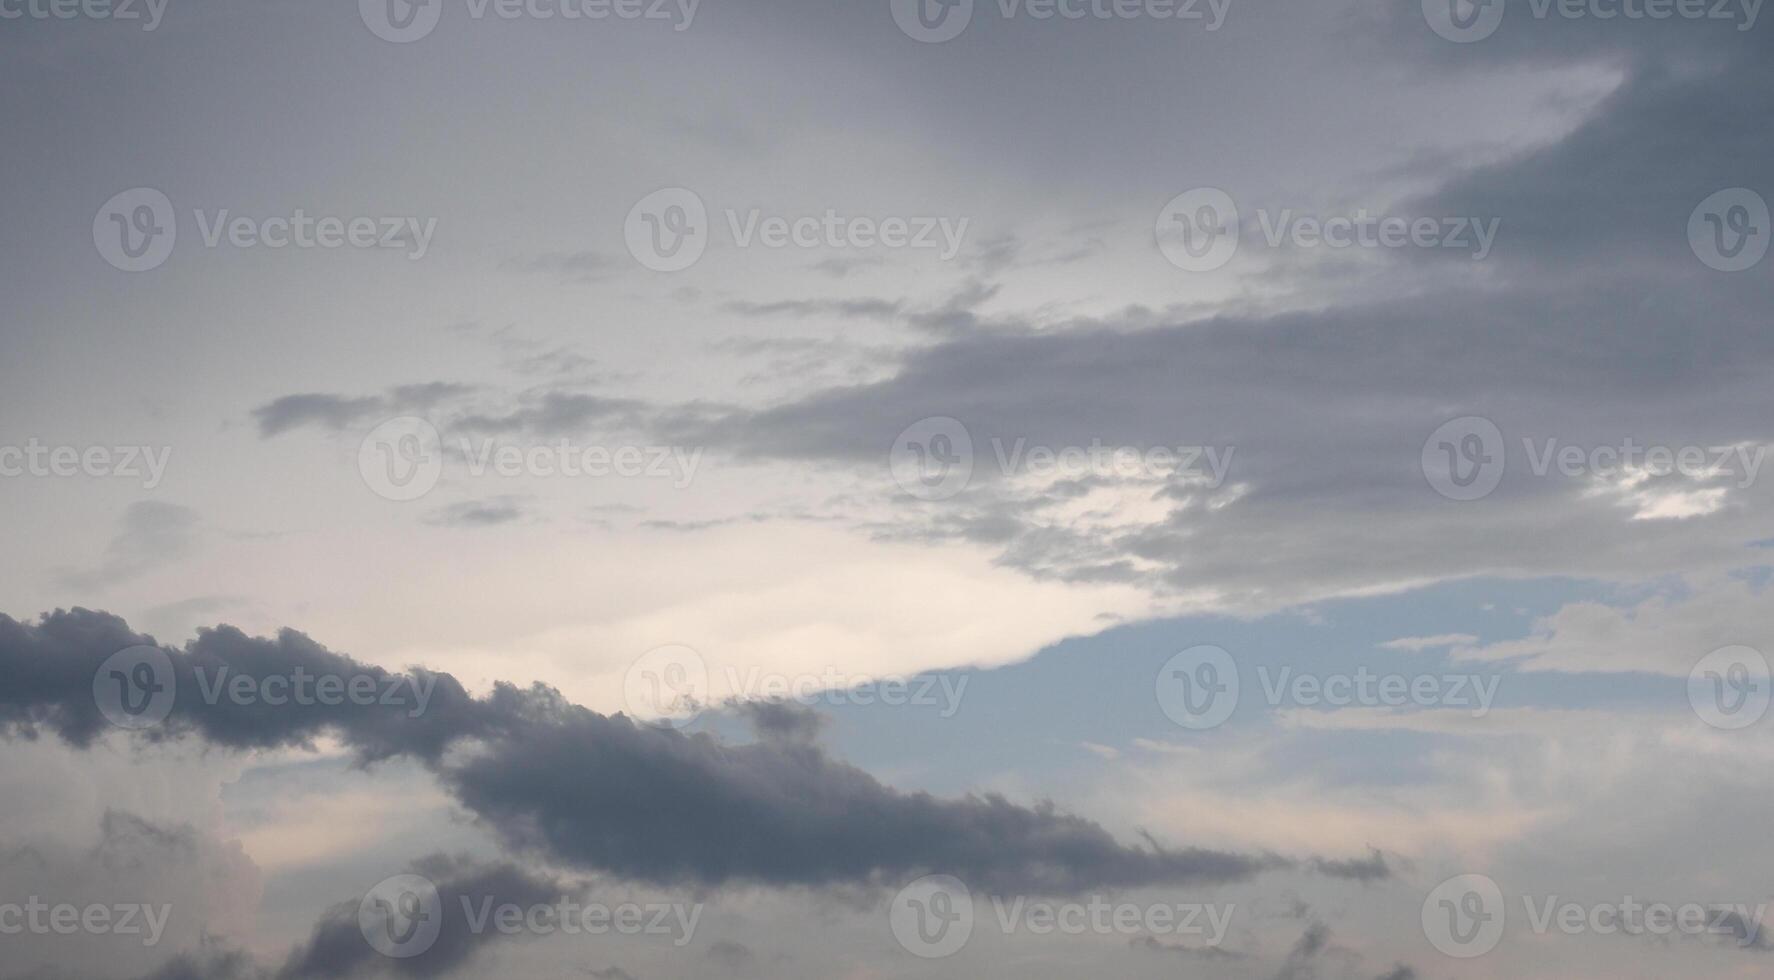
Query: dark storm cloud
781,720
47,671
1615,194
645,802
336,947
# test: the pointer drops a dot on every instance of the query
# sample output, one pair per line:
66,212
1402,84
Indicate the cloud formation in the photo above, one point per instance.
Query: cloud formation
640,801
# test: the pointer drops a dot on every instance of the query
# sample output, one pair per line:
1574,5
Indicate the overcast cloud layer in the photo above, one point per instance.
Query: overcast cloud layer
625,397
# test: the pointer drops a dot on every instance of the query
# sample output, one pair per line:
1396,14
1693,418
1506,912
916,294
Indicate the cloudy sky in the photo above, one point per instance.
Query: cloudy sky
888,488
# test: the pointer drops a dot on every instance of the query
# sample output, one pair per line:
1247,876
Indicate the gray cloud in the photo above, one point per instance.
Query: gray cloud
338,412
151,533
336,947
643,802
479,513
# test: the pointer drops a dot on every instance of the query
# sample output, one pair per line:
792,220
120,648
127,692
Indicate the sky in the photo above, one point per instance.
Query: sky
1193,488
